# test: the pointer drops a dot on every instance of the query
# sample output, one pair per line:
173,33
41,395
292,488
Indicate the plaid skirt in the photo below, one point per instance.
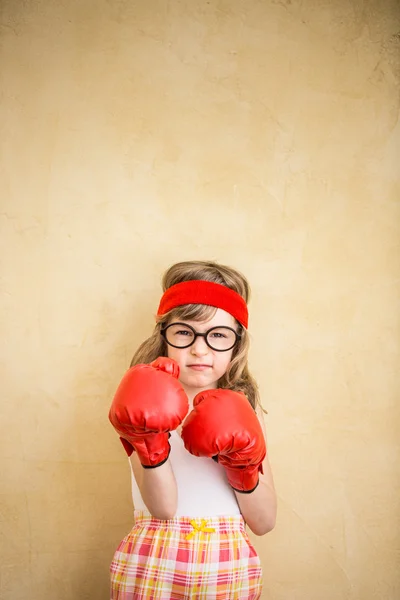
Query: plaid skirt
181,558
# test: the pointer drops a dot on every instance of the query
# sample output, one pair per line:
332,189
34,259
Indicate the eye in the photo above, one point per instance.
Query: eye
218,335
183,332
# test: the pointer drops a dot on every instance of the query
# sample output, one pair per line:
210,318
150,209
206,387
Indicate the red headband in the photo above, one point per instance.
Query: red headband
205,292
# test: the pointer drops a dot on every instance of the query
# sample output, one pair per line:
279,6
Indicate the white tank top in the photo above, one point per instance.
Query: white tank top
203,489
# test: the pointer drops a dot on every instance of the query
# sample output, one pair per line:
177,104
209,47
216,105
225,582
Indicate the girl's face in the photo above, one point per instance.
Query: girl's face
200,366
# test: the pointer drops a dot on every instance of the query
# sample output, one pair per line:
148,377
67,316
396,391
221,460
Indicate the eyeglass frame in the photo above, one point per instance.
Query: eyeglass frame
204,335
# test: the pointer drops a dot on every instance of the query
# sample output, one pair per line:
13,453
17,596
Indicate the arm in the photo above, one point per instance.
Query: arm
148,404
157,487
259,508
223,424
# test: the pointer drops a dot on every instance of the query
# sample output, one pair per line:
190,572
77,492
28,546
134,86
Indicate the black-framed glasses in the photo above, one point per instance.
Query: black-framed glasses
181,335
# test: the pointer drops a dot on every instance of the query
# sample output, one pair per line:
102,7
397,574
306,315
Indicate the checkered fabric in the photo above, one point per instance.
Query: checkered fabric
181,558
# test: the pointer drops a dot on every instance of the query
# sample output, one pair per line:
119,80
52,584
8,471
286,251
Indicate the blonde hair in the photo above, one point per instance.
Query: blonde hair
237,376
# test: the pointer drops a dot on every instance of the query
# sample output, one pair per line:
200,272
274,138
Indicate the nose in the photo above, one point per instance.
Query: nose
199,348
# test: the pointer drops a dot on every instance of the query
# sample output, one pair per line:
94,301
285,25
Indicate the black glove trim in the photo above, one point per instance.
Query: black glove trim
246,491
159,464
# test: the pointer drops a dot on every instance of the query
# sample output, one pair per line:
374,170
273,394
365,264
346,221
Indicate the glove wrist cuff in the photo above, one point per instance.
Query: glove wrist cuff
152,450
244,481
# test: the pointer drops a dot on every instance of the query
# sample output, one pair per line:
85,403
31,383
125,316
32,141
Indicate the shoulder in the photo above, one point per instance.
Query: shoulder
260,414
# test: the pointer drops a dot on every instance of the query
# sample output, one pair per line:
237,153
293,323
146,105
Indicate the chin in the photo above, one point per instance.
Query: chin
196,380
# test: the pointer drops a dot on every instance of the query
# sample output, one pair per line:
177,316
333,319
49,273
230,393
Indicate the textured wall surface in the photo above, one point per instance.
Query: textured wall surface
263,134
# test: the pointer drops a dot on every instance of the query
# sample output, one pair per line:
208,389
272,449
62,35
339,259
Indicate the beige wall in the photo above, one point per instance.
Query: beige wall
263,134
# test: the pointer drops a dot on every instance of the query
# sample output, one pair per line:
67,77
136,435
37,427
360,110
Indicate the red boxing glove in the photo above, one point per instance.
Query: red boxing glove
224,425
148,404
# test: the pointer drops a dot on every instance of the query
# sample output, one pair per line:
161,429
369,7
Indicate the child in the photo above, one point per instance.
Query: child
189,398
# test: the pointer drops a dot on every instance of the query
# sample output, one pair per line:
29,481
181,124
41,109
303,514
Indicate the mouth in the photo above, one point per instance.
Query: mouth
199,367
